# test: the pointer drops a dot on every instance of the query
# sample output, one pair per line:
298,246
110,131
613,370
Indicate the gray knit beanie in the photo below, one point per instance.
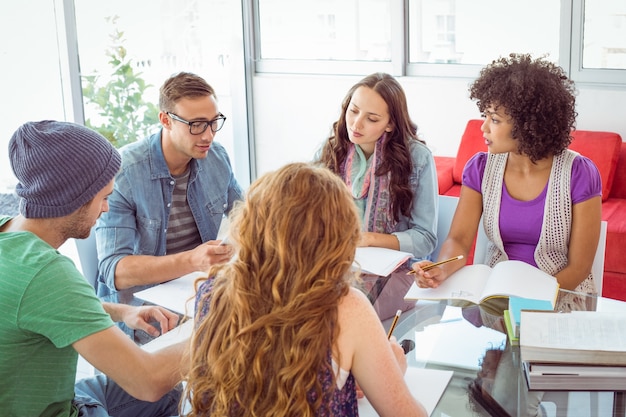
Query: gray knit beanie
60,167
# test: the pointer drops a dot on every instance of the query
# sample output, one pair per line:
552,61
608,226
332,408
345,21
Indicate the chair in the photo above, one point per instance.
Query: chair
447,207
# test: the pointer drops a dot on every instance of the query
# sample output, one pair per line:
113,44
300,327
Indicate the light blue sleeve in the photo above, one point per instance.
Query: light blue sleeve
417,234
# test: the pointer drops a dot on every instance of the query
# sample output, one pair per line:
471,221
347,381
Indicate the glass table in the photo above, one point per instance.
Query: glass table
487,380
471,341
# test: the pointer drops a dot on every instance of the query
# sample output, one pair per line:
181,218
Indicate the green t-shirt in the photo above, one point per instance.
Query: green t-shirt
45,306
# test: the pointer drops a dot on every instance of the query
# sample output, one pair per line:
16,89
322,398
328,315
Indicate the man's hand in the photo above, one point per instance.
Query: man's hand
140,318
210,253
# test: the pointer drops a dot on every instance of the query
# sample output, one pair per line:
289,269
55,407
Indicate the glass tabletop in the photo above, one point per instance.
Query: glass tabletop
471,341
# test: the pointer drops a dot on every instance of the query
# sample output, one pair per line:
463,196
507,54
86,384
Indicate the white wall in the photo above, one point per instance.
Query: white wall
294,113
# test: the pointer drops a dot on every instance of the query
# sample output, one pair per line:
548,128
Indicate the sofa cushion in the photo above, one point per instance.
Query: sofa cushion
603,148
614,212
444,165
472,142
618,189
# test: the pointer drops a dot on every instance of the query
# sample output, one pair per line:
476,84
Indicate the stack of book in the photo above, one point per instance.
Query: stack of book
513,316
581,350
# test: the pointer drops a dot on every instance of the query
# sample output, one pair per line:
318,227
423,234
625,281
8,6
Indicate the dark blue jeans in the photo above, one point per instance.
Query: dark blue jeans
99,396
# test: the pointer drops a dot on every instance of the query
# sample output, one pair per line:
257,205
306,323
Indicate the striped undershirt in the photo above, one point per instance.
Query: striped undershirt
182,232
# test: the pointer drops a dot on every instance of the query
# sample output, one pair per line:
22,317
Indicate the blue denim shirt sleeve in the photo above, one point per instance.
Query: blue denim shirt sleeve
136,223
417,233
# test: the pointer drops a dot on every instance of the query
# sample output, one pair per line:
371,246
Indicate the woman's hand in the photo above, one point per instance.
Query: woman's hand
427,279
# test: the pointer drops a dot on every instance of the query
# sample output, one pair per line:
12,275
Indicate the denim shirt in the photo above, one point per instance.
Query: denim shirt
417,233
139,207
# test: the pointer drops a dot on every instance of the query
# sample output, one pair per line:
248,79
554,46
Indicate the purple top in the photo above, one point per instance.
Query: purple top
520,221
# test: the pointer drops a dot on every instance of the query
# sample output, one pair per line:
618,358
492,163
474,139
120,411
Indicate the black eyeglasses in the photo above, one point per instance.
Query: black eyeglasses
198,127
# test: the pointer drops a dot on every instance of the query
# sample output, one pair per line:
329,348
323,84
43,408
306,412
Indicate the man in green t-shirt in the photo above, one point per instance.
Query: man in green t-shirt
49,313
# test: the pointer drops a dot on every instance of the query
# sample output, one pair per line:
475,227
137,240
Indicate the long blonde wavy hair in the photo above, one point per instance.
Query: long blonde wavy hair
272,320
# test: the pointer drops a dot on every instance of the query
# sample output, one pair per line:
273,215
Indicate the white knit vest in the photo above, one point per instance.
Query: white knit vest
551,252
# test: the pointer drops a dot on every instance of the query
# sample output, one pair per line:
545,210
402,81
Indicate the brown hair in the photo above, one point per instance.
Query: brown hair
182,85
272,318
396,151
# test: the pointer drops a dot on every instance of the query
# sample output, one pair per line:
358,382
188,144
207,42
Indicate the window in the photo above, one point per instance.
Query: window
438,38
604,35
321,36
31,83
472,34
599,41
156,39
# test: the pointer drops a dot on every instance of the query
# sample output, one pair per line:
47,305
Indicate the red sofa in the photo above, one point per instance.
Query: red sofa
607,151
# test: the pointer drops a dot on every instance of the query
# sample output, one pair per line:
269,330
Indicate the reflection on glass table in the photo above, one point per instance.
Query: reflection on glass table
471,340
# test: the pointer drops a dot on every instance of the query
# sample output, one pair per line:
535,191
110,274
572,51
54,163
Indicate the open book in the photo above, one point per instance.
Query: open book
476,283
379,261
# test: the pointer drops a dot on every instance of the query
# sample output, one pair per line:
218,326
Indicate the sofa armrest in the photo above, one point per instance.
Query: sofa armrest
444,165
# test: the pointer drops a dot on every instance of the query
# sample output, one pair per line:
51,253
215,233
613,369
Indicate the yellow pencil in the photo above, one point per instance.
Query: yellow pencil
394,323
427,267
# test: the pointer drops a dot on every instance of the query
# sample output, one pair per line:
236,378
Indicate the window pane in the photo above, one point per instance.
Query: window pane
476,32
155,39
604,34
357,30
31,84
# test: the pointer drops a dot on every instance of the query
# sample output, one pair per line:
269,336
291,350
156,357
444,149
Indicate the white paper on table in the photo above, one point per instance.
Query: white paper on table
426,385
177,295
177,334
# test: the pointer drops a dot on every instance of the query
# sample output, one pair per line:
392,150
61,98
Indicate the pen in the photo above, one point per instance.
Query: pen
224,241
427,267
394,323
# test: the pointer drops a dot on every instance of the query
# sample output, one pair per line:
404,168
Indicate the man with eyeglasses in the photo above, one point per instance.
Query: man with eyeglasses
170,195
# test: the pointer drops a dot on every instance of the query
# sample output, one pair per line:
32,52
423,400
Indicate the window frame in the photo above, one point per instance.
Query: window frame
577,72
570,53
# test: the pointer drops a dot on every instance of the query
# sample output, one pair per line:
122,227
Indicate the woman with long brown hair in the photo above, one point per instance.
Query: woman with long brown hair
279,329
374,147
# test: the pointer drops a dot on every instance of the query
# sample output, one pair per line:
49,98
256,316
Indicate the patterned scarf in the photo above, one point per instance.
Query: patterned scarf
371,193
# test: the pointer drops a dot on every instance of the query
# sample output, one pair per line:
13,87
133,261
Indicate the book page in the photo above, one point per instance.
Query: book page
426,385
379,261
579,330
465,284
517,278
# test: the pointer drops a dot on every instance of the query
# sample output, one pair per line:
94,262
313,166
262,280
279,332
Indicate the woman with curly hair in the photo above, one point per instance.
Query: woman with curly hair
540,202
279,329
374,148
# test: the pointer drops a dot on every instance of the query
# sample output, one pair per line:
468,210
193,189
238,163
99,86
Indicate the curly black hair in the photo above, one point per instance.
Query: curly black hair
538,96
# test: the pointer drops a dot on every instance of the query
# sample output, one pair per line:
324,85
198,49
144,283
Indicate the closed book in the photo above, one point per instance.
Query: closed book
513,339
555,377
517,304
579,337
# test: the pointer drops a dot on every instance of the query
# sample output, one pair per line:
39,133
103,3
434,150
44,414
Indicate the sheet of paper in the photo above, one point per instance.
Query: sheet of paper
379,261
177,295
178,334
426,385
